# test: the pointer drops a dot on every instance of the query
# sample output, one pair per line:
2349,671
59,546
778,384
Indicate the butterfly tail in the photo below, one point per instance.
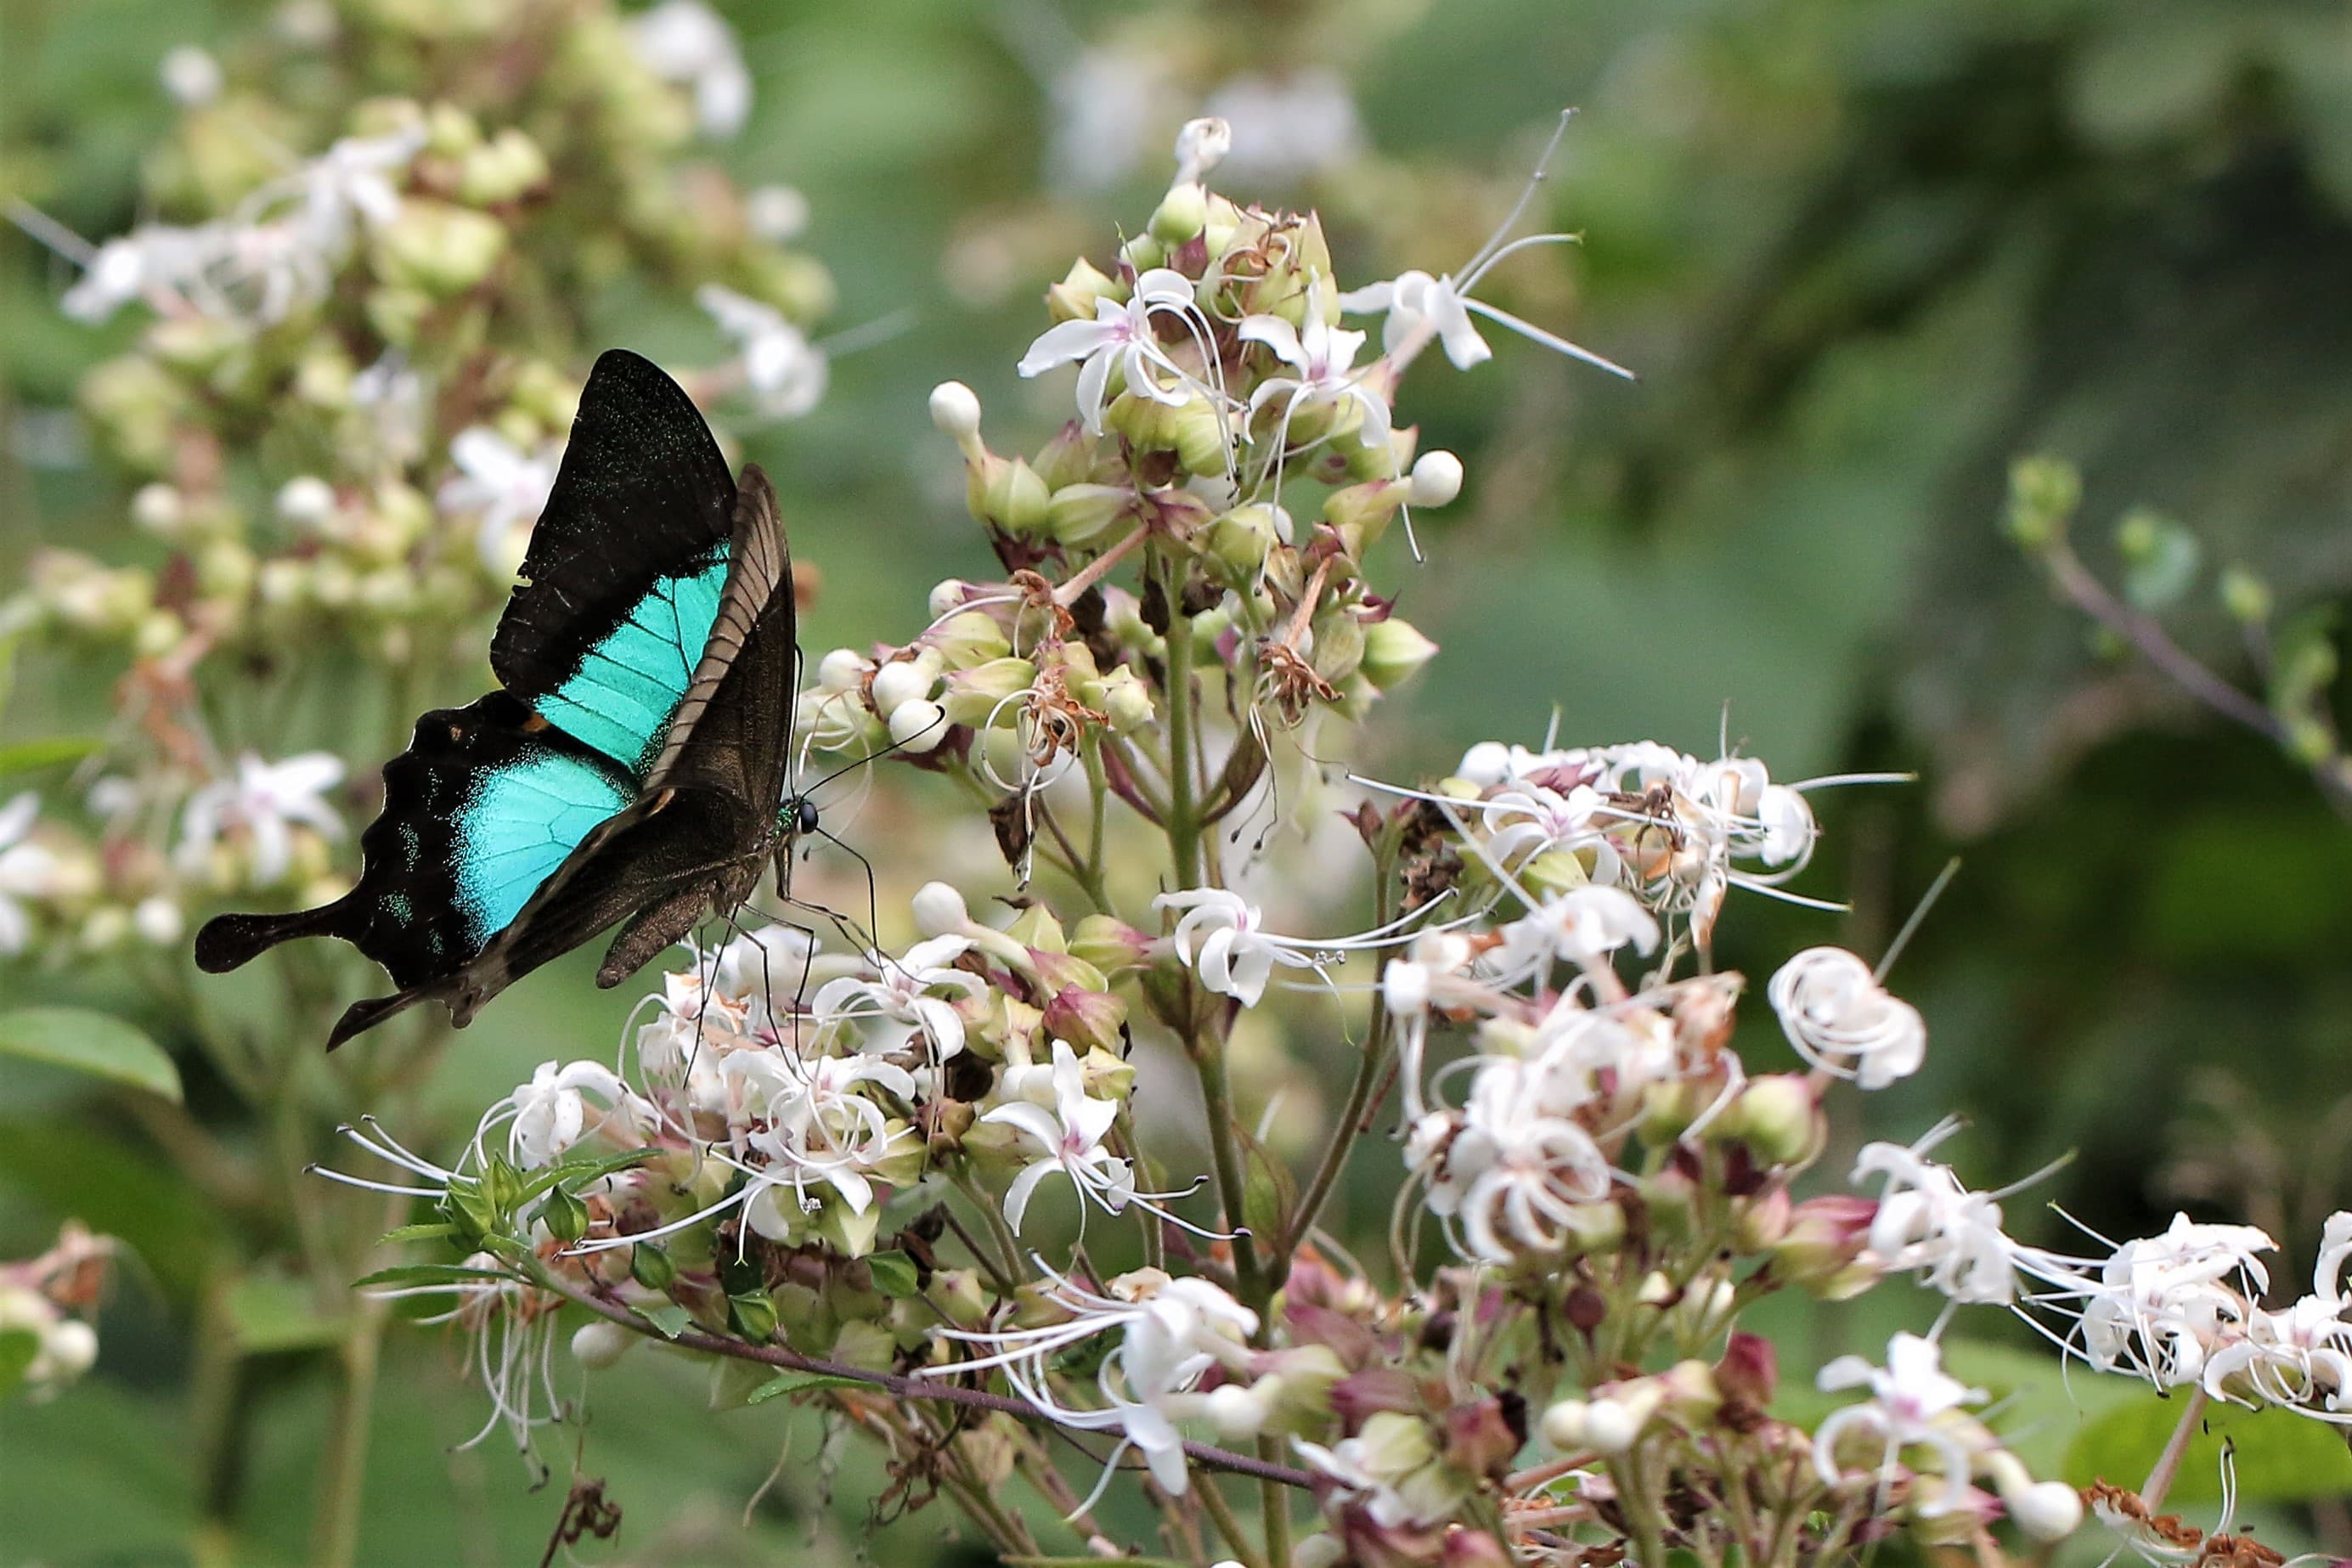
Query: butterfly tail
230,942
362,1016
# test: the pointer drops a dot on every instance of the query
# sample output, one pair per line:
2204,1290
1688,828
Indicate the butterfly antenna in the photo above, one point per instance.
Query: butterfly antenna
853,767
872,900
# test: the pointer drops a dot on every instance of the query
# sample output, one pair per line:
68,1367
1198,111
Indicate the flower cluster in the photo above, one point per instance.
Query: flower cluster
46,1306
360,333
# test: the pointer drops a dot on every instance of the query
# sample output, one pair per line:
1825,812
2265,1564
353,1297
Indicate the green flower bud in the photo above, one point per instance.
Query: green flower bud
323,378
1071,457
650,1266
1089,1020
1125,700
1082,514
1778,1116
754,1316
968,640
450,131
1361,513
1073,299
1037,929
225,569
1394,649
1239,539
1007,495
135,404
959,1295
865,1344
398,314
506,170
1182,212
565,1217
438,248
1109,944
2043,495
197,345
2245,596
1143,253
978,697
1338,645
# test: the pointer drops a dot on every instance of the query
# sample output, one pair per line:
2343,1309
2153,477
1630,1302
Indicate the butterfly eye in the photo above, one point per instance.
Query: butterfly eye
803,815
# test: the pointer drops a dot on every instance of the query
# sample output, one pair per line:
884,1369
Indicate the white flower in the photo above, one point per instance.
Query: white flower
1106,114
265,801
1907,1398
2300,1358
1415,305
1930,1225
351,179
1583,925
1514,1175
1172,1333
551,1111
1200,146
1840,1020
1123,337
1236,955
151,258
1289,126
787,374
1070,1139
685,42
189,76
505,488
902,997
777,213
25,869
817,1124
1320,357
1527,821
391,397
2162,1304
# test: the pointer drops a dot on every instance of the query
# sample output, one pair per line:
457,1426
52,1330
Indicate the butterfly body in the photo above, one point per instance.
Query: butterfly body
630,771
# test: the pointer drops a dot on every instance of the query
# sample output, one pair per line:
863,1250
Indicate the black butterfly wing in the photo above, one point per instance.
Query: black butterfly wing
711,796
626,566
487,802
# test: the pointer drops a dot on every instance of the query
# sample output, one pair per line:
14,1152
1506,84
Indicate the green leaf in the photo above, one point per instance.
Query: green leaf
429,1231
577,1172
428,1274
268,1314
88,1041
48,751
670,1317
786,1383
17,1349
894,1274
2281,1457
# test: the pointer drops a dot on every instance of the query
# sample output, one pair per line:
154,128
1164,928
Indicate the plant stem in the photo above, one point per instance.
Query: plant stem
1202,1454
1369,1065
335,1531
2167,1464
1183,808
1228,1526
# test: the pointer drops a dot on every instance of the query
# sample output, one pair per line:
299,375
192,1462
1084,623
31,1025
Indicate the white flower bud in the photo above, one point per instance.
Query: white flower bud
191,77
599,1344
70,1350
777,213
1200,146
902,681
1486,764
1237,1411
1436,479
1610,1428
306,501
159,921
1320,1549
955,409
156,508
2044,1511
939,910
919,726
1563,1425
841,670
947,594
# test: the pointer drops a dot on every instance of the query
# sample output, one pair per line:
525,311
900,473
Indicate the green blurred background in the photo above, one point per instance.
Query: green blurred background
1864,254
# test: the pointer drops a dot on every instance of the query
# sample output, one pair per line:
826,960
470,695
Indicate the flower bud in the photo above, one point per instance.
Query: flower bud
1239,540
565,1217
984,695
1762,1221
1069,458
158,508
1361,513
917,727
1080,514
597,1345
1088,1019
754,1316
1182,212
1108,943
2044,1511
1466,1548
904,680
970,640
1611,1426
305,502
842,670
1749,1373
438,248
955,409
1563,1425
1006,495
650,1266
1778,1117
1436,479
1238,1412
159,921
1394,649
1073,299
939,910
2245,596
510,167
1820,1250
1125,700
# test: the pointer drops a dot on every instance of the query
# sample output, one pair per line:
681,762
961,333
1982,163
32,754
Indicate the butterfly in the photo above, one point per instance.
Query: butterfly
632,768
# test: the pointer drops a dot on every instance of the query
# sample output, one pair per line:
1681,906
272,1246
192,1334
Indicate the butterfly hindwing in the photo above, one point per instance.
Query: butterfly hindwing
487,802
625,568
